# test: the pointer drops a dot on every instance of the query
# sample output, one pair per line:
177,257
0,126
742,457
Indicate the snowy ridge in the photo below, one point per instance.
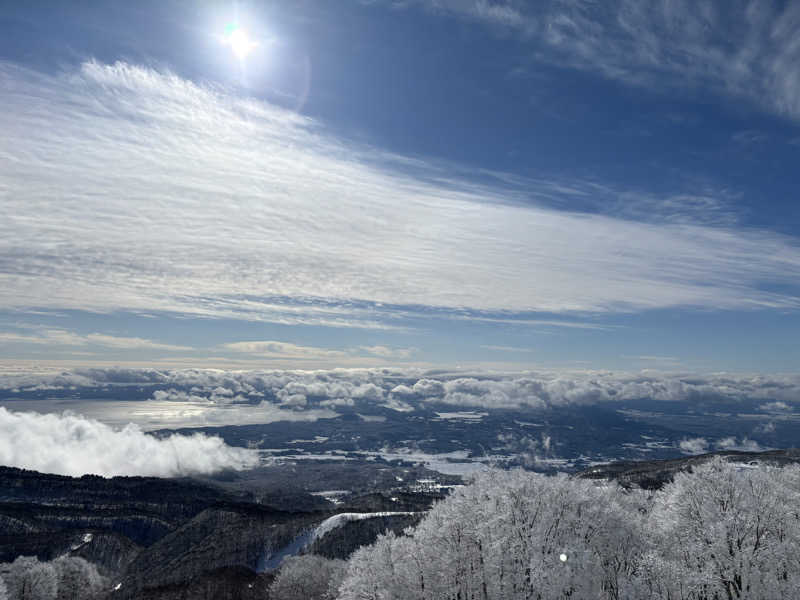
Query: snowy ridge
336,521
272,560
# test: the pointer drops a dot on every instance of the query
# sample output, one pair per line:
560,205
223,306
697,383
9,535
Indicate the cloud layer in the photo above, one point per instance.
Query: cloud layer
741,48
109,173
303,394
61,337
70,444
701,445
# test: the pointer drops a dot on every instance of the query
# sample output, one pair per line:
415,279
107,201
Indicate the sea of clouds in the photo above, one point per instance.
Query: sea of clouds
294,391
72,444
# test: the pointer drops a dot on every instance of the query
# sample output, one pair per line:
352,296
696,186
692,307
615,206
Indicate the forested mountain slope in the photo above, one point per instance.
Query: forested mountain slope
724,531
165,538
711,527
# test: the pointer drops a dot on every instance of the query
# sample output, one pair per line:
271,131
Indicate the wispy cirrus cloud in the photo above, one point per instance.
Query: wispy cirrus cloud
512,349
284,350
264,350
272,349
61,337
387,352
507,14
743,49
111,172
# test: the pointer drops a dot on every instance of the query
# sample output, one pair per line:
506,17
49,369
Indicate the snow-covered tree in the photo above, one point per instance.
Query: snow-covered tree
3,590
308,577
77,579
727,532
29,579
724,532
507,535
65,578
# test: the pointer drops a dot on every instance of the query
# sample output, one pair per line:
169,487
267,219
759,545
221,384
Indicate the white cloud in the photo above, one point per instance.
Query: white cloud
397,388
766,428
491,12
750,137
262,203
131,343
284,350
543,324
372,418
543,389
651,358
367,391
402,390
513,349
428,387
280,353
397,405
509,393
338,402
56,337
60,337
697,445
740,48
743,445
173,395
775,407
294,400
70,444
386,352
209,407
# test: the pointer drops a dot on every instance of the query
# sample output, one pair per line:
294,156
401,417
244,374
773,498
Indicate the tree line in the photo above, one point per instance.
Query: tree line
722,532
65,578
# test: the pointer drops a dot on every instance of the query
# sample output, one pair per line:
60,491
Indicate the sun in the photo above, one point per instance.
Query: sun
240,43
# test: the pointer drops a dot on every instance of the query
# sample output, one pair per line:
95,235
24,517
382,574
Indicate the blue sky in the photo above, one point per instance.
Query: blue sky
462,183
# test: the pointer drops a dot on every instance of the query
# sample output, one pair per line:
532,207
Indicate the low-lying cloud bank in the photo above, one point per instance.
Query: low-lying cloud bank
701,445
70,444
402,389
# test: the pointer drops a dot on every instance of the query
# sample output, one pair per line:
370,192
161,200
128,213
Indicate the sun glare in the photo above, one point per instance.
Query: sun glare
240,43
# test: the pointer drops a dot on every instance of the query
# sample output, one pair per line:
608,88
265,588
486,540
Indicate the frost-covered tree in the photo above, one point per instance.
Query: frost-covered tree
77,579
65,578
726,532
3,590
29,579
308,577
507,535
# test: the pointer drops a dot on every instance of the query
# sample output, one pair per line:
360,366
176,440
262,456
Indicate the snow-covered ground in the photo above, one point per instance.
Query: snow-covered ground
337,521
272,559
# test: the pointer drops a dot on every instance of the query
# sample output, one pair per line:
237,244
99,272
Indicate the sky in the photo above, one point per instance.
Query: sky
460,183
